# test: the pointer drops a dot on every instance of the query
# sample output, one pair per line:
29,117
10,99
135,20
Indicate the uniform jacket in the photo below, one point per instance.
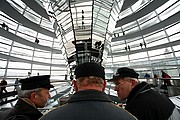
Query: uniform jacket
88,105
147,104
21,111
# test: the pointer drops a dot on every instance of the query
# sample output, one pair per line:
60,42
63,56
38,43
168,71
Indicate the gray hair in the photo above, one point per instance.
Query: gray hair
129,78
27,93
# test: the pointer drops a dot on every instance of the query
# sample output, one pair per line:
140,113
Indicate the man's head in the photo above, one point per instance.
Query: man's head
36,89
89,75
125,80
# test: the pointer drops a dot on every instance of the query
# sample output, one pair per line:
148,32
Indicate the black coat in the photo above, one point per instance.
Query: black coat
147,104
21,111
88,105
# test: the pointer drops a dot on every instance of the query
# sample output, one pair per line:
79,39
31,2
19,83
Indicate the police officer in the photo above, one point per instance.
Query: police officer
34,94
141,100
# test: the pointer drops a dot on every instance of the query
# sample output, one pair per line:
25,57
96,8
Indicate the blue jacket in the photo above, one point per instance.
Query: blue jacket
88,105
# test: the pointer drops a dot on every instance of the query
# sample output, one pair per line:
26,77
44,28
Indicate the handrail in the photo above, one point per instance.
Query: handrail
8,94
158,78
9,85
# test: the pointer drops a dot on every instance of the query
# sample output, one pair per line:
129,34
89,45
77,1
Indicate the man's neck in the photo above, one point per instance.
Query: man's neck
27,100
89,88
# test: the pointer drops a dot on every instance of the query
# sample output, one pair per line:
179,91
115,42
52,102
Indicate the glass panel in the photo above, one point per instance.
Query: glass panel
159,52
26,37
170,11
149,23
21,53
3,63
177,54
138,55
17,73
2,72
41,56
120,58
26,31
173,29
16,6
41,72
32,17
146,17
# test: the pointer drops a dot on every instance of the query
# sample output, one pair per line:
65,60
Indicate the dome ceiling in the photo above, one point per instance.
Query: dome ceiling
52,36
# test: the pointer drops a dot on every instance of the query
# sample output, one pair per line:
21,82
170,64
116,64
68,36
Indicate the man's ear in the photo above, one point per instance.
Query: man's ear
75,85
134,82
104,86
33,96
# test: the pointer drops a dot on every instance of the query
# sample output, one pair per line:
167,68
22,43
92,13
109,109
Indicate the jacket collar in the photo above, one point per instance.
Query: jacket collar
138,89
27,100
27,109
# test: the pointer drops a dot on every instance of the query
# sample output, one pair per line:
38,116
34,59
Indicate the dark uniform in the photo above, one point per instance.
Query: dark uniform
88,105
21,111
146,104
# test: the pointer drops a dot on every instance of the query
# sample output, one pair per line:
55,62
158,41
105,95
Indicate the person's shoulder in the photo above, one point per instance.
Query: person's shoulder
123,113
18,117
53,112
